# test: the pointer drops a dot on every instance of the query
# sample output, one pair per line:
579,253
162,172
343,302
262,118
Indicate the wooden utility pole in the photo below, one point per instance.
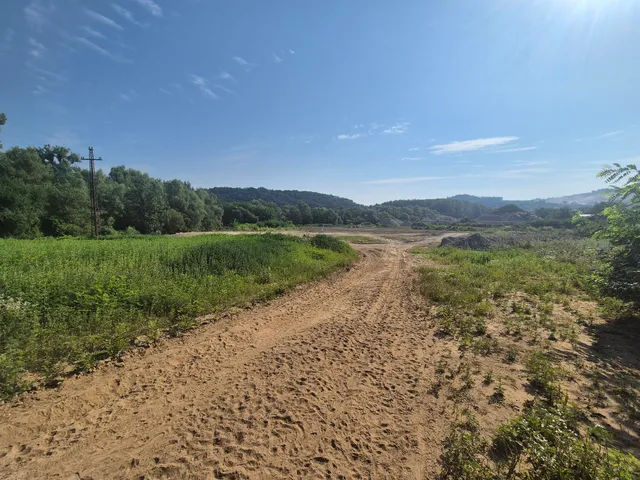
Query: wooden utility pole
93,191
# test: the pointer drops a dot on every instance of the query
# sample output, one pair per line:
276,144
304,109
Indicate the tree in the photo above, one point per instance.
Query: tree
24,185
622,278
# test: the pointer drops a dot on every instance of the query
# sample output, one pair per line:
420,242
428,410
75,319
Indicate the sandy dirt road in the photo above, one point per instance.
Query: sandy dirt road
330,381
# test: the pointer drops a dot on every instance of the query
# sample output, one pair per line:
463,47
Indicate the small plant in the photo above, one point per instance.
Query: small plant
498,394
488,378
511,355
543,375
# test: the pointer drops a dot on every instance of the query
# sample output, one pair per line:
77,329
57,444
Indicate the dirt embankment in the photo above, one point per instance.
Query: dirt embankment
330,381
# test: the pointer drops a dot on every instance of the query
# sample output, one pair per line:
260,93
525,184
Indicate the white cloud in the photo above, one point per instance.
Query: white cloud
37,49
126,97
39,90
243,63
126,14
201,83
508,150
402,180
96,48
166,92
276,58
226,76
611,134
151,6
223,88
44,75
414,149
7,41
470,145
90,31
397,129
36,14
344,136
102,19
292,52
411,159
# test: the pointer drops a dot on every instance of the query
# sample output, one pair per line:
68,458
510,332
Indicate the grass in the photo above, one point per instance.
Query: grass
65,304
360,239
522,292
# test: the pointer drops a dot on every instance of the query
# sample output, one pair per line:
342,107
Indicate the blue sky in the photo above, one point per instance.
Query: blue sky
368,99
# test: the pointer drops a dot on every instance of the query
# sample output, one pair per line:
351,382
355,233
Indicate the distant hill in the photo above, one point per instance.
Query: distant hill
589,199
281,197
451,207
574,201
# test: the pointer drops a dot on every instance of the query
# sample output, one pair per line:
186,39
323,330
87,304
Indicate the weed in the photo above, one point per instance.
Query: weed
488,378
543,375
511,355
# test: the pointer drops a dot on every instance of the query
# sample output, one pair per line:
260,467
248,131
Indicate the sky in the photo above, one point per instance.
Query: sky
372,100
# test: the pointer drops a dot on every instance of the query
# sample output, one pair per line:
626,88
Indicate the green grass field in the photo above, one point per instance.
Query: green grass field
64,304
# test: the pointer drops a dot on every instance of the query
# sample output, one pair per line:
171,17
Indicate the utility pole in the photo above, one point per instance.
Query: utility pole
95,217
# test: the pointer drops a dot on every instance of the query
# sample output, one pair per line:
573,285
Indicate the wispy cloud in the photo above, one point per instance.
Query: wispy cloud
402,180
7,41
44,75
126,14
39,90
36,14
397,129
292,52
96,48
509,150
243,63
344,136
410,159
102,19
414,149
151,6
223,88
470,145
165,91
90,31
226,76
201,83
276,58
37,49
611,134
128,96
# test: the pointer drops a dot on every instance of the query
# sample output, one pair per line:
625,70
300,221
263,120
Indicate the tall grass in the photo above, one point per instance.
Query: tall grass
66,303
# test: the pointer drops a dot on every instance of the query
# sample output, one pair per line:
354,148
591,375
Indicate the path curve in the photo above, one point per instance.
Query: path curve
329,381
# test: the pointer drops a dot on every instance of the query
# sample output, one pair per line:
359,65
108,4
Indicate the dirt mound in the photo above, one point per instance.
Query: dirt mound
470,242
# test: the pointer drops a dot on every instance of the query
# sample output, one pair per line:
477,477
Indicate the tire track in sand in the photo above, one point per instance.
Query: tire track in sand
328,382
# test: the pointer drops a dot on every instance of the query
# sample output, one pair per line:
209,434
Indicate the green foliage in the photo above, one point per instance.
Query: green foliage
330,243
622,276
43,192
70,302
545,443
544,376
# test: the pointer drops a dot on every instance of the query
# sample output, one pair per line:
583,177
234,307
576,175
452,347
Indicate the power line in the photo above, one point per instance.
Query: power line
93,190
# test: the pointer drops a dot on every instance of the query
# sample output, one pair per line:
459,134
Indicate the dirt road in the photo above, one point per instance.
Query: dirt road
329,381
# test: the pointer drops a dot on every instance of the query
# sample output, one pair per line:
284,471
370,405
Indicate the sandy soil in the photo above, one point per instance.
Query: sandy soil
330,381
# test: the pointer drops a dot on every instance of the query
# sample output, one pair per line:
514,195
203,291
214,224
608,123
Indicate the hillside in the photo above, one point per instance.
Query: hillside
281,197
451,207
590,198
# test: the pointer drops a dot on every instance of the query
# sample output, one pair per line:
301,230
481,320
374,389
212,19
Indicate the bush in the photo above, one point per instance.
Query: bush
327,242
